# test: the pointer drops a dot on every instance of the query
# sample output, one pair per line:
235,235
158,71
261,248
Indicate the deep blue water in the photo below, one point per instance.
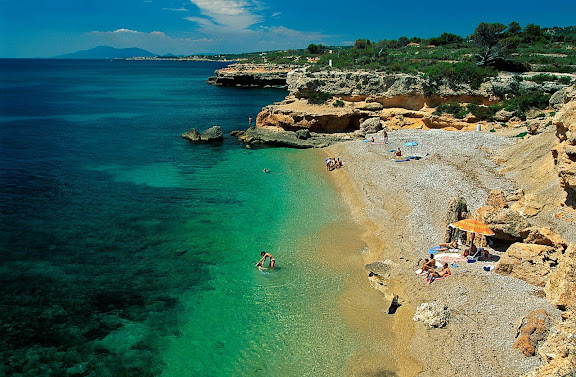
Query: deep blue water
127,251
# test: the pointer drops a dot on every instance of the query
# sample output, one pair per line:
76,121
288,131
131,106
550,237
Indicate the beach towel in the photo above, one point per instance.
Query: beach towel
430,279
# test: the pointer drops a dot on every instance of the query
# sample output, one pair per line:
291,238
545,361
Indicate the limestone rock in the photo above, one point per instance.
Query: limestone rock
564,152
371,126
507,224
457,210
529,262
251,75
433,314
515,196
528,206
558,352
303,134
496,199
561,286
533,330
192,135
503,115
545,236
212,134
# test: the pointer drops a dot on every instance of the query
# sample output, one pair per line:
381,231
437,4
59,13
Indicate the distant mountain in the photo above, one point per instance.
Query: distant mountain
106,52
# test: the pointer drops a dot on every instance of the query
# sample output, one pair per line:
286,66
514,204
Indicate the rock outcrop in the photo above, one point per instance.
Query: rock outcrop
558,352
212,134
457,210
564,152
252,75
433,314
529,262
561,286
532,331
279,137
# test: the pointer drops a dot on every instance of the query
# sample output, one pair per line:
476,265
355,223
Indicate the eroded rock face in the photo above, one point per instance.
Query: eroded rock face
561,286
558,352
564,152
533,330
433,314
532,263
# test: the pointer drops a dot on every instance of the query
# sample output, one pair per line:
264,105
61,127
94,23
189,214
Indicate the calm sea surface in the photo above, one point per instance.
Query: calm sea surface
127,251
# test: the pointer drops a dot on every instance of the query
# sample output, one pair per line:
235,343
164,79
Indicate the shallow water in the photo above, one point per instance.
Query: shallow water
127,251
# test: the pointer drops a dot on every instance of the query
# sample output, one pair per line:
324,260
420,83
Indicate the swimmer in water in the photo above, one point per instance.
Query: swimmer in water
266,255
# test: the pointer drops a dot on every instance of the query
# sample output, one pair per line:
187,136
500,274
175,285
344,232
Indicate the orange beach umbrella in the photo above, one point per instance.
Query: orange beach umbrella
473,226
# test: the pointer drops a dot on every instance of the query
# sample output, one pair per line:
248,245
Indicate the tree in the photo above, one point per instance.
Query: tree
403,41
446,39
316,49
487,35
532,33
514,28
361,44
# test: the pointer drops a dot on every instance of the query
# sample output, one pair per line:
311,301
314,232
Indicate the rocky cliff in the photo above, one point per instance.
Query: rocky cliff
564,152
251,75
399,100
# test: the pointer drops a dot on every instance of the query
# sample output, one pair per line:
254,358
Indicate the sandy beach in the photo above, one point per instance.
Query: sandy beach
400,208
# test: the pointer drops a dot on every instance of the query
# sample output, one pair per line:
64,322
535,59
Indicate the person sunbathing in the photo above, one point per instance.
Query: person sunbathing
397,153
448,246
445,271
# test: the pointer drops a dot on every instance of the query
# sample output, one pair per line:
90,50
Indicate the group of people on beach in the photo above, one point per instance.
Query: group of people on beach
333,163
429,267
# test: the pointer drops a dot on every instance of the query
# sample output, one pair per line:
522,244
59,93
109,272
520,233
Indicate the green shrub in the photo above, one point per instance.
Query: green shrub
543,77
338,103
319,98
484,112
565,80
458,111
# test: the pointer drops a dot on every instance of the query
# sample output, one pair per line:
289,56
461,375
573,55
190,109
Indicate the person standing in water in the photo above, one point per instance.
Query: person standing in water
266,255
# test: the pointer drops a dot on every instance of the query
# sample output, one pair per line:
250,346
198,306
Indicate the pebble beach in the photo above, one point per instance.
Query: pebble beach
402,208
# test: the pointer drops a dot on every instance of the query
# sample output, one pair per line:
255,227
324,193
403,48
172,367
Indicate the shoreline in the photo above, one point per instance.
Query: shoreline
484,305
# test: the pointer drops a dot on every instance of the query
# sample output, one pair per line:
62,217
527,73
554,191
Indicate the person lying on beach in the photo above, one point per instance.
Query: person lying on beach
397,153
445,271
447,246
372,139
266,255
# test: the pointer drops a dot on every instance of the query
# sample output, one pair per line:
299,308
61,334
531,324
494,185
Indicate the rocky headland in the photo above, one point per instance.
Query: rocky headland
251,76
386,101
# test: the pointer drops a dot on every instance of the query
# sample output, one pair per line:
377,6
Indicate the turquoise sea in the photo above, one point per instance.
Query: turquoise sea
127,251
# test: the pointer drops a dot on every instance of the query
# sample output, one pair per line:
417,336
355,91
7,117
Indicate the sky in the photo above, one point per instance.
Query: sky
47,28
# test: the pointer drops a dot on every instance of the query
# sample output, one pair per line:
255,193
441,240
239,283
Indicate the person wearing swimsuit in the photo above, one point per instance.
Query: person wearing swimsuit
263,259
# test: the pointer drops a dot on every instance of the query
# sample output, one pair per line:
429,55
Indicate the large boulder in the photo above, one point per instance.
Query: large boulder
561,286
496,199
433,314
529,262
371,126
192,135
532,331
212,134
457,210
506,223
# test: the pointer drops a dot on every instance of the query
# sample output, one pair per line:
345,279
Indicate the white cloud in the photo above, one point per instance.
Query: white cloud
176,9
226,16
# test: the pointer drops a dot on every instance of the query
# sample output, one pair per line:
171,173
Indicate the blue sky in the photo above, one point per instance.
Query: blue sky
45,28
